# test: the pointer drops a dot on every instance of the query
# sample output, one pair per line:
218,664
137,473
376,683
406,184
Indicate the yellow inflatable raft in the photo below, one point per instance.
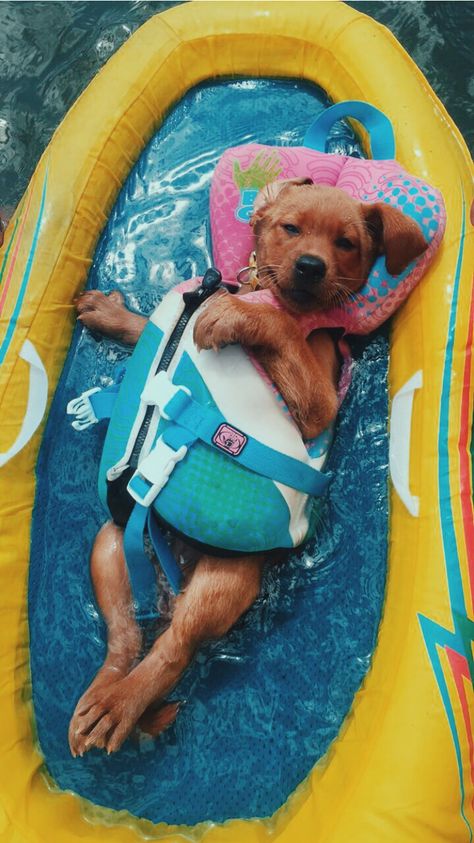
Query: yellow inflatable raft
402,768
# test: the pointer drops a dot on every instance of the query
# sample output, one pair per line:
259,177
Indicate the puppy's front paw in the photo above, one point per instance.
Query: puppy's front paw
217,325
108,316
99,312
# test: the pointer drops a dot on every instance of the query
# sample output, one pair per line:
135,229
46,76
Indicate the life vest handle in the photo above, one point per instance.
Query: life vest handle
376,123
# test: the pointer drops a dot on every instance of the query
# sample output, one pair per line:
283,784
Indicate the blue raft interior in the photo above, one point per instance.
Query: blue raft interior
265,703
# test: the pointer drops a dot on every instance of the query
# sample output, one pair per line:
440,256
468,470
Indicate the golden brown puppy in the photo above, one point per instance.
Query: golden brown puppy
315,246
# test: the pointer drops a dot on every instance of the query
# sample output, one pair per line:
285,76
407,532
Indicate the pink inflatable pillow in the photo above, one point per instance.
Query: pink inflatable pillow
242,171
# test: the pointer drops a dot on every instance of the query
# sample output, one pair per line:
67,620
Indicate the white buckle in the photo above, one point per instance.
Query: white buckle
156,469
159,390
82,408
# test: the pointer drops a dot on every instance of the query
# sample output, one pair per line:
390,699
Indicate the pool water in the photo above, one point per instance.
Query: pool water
264,703
50,51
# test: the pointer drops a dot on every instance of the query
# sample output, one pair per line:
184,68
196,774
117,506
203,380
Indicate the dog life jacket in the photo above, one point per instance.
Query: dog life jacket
206,446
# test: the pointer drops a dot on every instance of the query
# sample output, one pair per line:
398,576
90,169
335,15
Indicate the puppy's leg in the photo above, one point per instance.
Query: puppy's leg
302,372
218,592
114,598
306,373
108,316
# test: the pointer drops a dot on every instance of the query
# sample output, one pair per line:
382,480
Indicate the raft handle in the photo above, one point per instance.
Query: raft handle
37,400
399,445
376,123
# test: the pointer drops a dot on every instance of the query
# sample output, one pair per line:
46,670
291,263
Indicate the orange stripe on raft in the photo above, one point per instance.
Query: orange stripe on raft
460,668
16,250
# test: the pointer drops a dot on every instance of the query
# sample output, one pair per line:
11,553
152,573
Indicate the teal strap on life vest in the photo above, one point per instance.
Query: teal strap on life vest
191,419
103,402
92,406
141,570
377,124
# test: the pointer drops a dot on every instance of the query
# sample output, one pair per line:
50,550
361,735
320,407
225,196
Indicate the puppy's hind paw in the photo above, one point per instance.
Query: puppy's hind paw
154,721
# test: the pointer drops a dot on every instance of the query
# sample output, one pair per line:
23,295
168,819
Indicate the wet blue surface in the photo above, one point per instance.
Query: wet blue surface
264,703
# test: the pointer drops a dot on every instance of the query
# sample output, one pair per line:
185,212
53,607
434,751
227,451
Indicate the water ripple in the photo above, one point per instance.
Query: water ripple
50,51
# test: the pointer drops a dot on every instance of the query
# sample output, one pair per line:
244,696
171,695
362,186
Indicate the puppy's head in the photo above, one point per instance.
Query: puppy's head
315,244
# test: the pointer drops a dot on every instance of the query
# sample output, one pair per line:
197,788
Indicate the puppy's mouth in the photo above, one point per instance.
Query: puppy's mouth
316,296
302,298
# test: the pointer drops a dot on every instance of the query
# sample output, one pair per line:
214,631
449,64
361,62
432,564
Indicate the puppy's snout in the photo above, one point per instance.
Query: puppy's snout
309,269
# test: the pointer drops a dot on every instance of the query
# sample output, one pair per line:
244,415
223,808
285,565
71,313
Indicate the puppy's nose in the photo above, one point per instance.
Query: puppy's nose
309,269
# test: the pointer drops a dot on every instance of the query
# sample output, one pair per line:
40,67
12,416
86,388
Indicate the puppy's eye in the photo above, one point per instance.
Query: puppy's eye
291,229
345,244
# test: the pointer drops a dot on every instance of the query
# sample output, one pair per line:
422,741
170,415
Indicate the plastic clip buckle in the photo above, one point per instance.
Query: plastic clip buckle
156,469
160,391
82,408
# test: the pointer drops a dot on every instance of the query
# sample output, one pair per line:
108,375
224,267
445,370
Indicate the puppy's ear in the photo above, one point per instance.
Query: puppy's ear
395,235
269,193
